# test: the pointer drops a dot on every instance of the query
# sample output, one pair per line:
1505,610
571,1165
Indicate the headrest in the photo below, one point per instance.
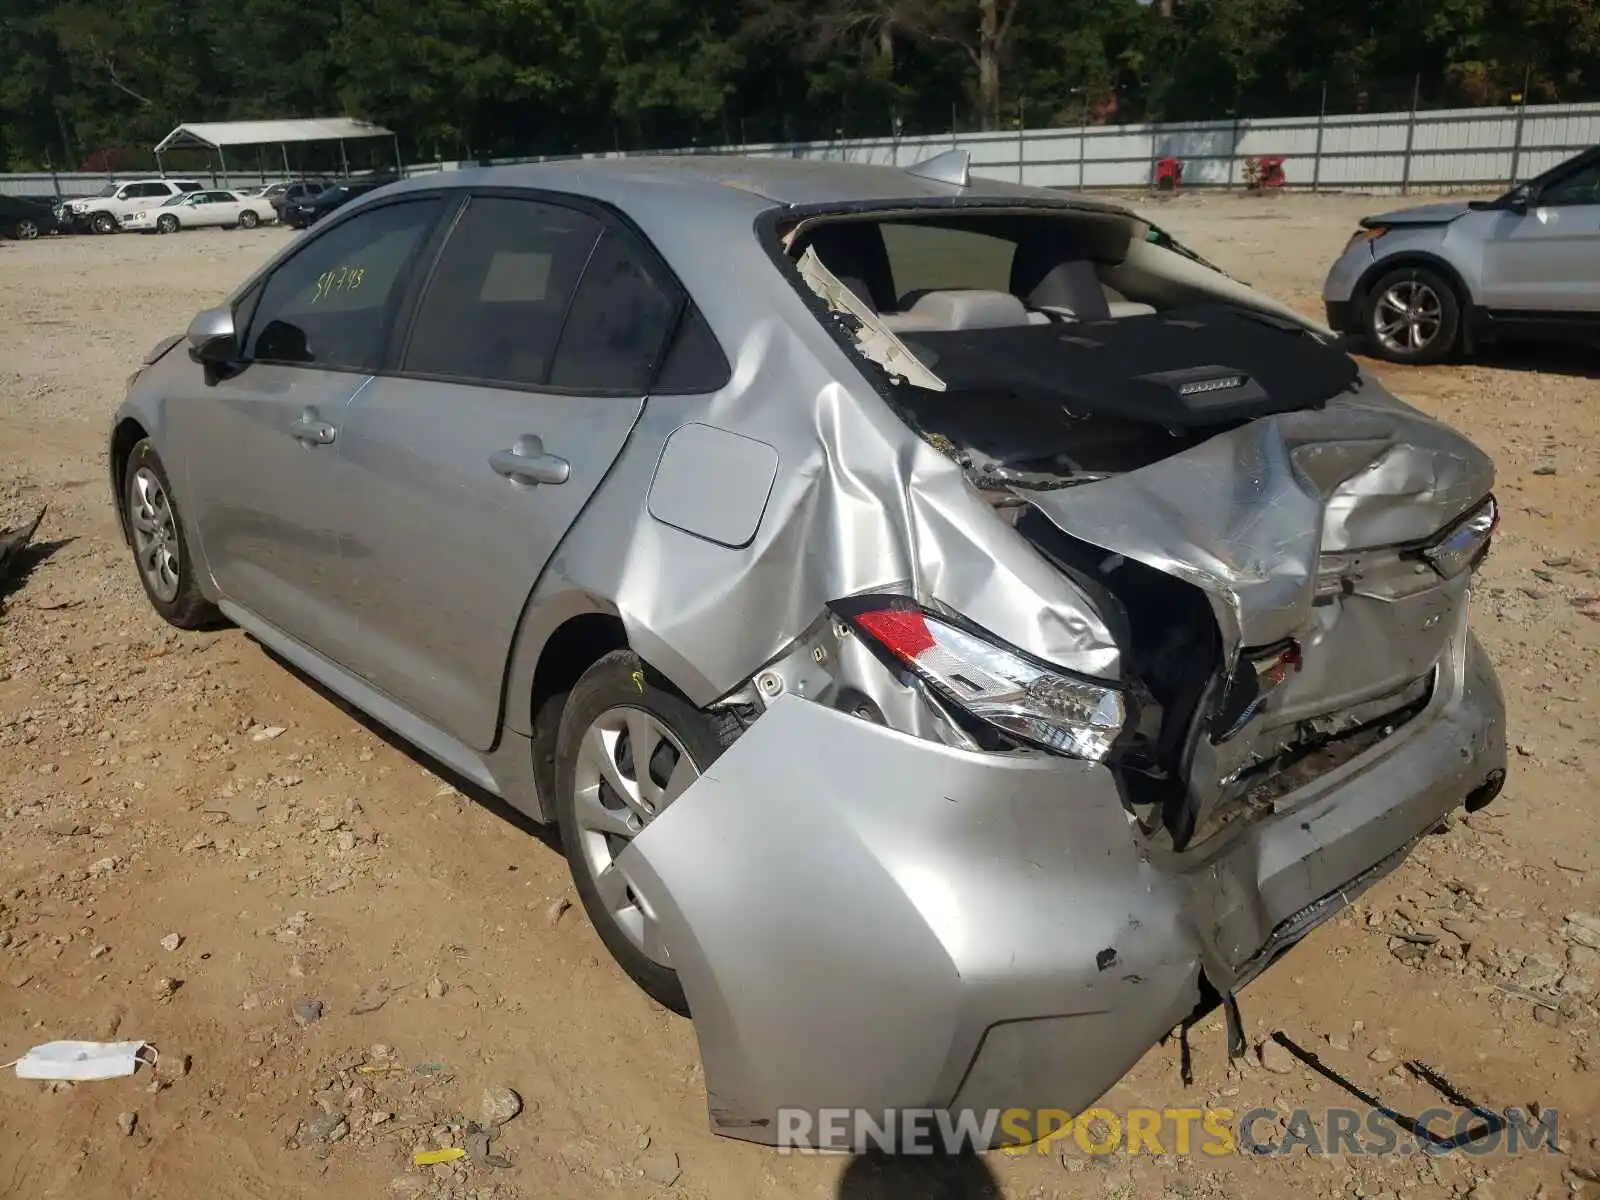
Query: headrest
968,309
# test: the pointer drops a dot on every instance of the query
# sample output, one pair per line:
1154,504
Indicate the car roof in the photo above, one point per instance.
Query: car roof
741,183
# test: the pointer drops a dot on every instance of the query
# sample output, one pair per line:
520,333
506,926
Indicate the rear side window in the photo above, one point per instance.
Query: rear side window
695,362
500,291
621,318
331,304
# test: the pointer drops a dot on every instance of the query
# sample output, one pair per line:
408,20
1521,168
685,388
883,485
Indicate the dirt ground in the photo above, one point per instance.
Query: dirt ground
154,783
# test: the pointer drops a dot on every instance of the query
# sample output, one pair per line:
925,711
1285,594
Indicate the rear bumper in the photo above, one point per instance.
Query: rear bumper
863,920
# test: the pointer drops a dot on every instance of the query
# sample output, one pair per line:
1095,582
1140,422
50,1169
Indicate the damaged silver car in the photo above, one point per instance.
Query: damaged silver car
960,634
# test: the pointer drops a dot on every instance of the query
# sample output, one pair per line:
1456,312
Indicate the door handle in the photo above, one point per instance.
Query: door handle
527,462
308,428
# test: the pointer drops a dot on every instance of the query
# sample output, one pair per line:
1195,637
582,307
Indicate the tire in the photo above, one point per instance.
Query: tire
613,699
103,223
248,220
1412,315
156,531
25,230
166,223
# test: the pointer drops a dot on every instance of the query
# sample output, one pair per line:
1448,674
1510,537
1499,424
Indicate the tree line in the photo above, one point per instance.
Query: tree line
83,82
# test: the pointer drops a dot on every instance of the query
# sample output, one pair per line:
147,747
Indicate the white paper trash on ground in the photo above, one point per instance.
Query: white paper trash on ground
82,1060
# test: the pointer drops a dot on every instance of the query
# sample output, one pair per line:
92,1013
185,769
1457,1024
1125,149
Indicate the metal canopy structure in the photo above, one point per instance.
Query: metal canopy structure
219,135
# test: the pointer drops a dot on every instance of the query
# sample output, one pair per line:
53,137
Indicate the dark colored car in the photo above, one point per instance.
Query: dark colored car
304,213
292,192
25,218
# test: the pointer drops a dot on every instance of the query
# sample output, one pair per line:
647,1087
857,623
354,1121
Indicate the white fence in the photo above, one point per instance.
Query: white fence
1425,151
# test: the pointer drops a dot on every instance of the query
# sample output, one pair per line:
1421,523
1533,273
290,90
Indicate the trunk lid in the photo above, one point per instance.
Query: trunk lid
1299,529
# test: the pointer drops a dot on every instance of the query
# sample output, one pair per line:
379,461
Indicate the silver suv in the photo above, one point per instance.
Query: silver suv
1421,283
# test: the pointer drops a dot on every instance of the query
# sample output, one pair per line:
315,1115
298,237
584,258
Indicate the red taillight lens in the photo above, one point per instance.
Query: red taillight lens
994,683
901,631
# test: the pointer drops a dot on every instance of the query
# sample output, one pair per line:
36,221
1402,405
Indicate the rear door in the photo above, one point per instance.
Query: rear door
260,443
1546,260
218,208
522,375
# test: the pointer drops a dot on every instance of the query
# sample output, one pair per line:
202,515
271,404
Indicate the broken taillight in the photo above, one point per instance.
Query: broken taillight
994,683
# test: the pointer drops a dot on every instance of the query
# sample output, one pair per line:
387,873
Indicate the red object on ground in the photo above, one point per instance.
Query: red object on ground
1269,171
1169,174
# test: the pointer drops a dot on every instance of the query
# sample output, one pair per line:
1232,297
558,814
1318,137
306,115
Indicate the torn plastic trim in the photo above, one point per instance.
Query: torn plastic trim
830,665
873,339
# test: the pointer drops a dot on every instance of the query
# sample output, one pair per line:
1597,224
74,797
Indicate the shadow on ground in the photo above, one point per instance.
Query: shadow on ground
20,563
544,833
1580,362
884,1177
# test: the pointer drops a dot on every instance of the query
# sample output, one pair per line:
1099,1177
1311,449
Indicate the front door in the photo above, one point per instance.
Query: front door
260,446
523,375
1546,260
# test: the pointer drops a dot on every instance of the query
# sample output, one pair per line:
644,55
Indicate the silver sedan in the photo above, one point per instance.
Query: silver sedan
960,634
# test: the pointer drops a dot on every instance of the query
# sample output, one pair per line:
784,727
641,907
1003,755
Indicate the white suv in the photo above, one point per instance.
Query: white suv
106,211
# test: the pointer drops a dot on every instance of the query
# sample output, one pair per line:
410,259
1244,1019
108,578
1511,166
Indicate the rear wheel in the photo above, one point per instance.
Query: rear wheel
25,230
166,223
627,748
103,223
248,220
1413,315
155,528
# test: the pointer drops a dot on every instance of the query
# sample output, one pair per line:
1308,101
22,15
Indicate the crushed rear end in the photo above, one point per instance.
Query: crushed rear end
963,912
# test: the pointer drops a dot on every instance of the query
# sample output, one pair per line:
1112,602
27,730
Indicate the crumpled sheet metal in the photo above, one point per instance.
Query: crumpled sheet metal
1246,515
860,504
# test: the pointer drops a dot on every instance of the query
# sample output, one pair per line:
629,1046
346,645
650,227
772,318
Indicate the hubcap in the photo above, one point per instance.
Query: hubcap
27,230
155,534
1408,317
630,767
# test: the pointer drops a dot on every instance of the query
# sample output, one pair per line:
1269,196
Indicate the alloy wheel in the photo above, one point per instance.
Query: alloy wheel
155,534
630,766
27,230
1408,317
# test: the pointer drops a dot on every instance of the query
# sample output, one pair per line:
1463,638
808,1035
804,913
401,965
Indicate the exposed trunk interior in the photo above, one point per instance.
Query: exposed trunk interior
1053,350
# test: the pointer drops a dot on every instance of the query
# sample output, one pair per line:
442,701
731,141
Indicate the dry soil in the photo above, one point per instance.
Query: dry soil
198,842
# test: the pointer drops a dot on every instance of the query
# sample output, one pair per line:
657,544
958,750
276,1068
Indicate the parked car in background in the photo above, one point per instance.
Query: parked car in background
290,192
1418,284
116,202
25,218
193,210
960,635
309,209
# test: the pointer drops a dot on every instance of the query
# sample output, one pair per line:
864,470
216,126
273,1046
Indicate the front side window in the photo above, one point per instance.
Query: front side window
500,291
331,305
1581,187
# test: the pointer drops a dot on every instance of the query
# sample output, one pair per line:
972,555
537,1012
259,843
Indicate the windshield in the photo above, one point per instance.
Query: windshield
110,189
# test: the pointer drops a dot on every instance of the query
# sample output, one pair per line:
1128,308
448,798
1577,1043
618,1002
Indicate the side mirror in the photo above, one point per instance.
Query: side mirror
1519,198
211,337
